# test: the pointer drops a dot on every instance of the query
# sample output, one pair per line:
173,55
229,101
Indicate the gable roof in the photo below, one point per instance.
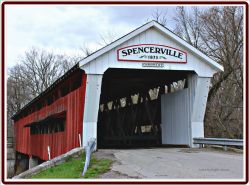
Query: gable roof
143,28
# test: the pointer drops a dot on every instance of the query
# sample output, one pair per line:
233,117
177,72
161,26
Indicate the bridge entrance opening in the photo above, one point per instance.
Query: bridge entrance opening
130,112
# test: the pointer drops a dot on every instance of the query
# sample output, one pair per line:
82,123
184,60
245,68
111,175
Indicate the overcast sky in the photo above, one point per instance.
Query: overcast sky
64,29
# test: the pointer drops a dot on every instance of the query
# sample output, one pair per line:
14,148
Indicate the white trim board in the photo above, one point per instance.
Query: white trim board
161,28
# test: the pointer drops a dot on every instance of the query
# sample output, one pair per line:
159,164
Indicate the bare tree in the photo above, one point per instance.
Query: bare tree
218,32
85,50
41,68
223,38
37,70
160,16
17,94
107,38
188,25
66,62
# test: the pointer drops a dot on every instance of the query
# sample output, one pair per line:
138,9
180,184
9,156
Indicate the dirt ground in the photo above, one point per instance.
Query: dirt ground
109,154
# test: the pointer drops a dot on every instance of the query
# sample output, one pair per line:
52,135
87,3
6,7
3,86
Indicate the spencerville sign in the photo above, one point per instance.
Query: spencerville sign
151,53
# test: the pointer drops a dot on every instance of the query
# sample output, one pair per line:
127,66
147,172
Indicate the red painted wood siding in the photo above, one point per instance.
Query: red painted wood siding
60,142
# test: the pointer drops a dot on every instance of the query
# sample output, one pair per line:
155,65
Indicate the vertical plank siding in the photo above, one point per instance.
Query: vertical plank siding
59,142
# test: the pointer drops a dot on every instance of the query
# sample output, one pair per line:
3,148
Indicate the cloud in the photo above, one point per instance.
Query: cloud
65,28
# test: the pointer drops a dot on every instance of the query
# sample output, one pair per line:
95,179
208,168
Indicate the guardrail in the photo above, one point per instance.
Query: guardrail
89,149
218,141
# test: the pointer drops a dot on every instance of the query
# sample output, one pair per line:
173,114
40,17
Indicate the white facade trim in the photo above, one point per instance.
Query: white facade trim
143,28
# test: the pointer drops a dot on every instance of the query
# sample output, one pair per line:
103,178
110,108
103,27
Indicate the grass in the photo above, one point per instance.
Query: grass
73,167
221,148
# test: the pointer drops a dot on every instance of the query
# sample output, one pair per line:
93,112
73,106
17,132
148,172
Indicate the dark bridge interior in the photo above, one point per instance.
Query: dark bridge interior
133,121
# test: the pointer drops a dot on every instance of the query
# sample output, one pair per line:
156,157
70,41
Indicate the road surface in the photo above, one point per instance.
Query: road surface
173,163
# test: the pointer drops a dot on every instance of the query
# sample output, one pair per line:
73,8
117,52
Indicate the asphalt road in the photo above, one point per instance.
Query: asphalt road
174,163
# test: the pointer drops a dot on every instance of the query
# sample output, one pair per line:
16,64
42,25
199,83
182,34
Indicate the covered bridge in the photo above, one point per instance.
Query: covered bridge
149,87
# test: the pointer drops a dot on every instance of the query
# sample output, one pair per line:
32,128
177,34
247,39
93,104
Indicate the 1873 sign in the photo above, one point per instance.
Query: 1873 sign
151,53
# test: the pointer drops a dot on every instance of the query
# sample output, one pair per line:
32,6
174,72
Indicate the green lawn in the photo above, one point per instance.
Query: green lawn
73,167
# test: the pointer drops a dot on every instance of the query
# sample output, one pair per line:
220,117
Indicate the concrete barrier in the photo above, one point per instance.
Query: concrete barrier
51,163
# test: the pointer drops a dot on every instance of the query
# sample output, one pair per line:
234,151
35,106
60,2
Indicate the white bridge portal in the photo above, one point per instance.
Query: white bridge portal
134,64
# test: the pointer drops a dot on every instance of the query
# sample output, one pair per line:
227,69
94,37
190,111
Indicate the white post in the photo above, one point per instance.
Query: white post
49,152
30,160
92,98
33,161
80,140
199,101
